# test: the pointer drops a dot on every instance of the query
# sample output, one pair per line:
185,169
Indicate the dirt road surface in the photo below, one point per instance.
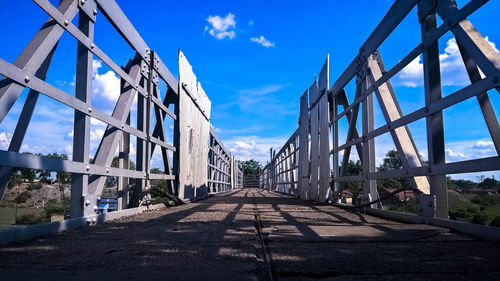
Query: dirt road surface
219,239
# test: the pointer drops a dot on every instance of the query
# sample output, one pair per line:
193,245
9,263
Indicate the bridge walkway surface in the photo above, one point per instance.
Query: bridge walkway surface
219,239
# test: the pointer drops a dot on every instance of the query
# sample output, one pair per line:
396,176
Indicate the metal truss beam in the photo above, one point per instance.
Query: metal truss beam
32,57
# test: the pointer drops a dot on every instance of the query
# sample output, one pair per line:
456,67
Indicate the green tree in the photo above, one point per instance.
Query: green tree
155,171
352,169
464,186
116,161
43,175
113,181
390,163
488,183
61,176
15,179
251,168
28,175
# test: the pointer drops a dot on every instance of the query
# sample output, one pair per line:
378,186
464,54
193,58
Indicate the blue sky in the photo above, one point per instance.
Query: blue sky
254,60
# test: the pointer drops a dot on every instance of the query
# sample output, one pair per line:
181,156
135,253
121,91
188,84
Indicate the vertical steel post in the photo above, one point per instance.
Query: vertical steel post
149,108
303,171
176,142
140,149
81,206
124,164
271,168
335,142
369,186
435,130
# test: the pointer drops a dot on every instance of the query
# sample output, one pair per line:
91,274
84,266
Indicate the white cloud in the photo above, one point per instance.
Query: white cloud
96,134
96,64
468,150
98,123
454,155
5,140
483,144
453,72
106,85
264,101
250,22
253,147
221,28
69,151
262,91
262,41
132,149
412,74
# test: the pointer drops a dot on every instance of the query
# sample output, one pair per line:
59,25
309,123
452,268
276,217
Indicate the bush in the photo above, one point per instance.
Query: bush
28,219
160,189
484,200
481,218
22,197
56,207
34,186
464,211
496,221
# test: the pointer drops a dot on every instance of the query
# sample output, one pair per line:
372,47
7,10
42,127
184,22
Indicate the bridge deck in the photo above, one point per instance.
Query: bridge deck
216,238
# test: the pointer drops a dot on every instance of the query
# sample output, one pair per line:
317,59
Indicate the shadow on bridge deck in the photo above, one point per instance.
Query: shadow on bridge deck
216,239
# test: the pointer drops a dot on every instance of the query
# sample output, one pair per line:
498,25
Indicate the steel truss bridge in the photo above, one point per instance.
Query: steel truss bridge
298,202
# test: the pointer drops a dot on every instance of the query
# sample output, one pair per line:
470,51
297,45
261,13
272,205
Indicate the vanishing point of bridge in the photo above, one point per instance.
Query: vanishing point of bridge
294,225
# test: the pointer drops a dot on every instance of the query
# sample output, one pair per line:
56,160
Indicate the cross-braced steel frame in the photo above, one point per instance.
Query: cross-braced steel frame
139,79
373,81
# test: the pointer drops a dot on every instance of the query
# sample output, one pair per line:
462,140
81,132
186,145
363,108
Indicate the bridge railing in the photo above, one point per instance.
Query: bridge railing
323,160
148,94
219,165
